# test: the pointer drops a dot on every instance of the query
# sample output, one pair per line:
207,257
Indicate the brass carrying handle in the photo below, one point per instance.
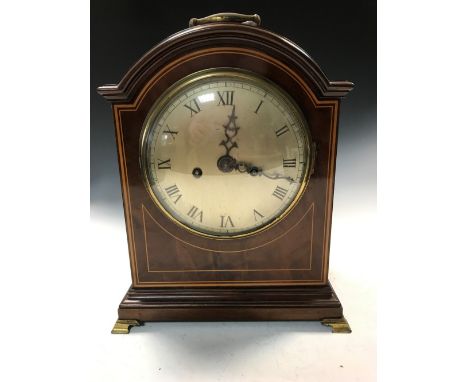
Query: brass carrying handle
253,20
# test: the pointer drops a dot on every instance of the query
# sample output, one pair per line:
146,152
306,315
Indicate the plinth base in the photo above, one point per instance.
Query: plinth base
302,303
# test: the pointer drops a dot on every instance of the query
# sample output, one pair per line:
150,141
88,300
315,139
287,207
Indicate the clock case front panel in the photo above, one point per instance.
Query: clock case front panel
293,251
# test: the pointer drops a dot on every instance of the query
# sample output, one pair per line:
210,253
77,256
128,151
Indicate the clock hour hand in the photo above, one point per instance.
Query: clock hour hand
257,171
277,176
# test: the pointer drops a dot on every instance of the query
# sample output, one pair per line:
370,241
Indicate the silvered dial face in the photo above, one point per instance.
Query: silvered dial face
225,153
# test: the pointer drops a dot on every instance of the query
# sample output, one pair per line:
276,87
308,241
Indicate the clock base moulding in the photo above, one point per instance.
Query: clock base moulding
231,304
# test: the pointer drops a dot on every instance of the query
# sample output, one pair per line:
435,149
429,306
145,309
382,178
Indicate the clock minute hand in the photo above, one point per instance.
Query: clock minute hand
230,131
226,163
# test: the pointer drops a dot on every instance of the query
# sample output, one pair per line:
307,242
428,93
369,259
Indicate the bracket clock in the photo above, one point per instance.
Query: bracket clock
226,137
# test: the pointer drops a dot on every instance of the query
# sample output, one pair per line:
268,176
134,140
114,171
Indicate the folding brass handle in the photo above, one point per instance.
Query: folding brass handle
253,20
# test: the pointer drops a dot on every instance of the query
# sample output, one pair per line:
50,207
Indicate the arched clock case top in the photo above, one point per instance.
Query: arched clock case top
292,252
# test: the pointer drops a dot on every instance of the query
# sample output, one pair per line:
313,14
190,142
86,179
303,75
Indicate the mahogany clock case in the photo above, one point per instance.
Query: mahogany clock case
242,302
292,252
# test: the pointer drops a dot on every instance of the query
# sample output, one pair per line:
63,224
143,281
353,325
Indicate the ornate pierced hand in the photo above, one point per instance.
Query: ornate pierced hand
227,163
257,171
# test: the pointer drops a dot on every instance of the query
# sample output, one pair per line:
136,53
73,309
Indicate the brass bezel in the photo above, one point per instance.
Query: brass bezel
163,101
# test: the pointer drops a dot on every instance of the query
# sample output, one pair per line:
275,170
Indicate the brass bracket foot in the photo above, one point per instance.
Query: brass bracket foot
338,325
123,326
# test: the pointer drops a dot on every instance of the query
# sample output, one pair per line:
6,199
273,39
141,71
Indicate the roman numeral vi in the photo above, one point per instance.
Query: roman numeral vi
225,220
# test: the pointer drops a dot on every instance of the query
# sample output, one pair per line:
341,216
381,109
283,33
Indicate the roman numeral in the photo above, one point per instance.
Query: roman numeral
193,213
225,220
256,213
164,164
169,131
258,107
226,97
282,131
280,192
289,162
173,191
193,106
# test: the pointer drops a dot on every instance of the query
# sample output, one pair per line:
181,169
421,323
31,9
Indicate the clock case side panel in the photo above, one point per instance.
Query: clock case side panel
331,192
124,191
123,95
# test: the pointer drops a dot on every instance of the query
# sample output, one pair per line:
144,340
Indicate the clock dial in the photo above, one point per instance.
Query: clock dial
225,153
